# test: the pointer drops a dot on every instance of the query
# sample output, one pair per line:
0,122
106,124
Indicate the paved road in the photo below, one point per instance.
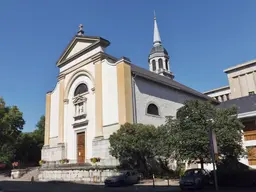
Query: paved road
19,186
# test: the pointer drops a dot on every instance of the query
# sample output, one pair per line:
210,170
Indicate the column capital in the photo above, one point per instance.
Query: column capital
66,101
61,76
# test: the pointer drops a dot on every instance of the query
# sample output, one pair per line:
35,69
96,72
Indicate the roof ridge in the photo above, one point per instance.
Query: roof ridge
169,82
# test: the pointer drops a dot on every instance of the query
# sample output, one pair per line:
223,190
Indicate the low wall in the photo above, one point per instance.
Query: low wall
76,174
17,173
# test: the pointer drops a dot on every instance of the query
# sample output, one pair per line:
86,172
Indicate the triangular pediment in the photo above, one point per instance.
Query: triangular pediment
79,45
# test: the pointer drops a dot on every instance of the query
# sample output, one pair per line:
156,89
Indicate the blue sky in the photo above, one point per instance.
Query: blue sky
202,37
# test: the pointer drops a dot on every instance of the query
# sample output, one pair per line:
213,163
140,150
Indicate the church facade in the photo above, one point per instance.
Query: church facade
96,93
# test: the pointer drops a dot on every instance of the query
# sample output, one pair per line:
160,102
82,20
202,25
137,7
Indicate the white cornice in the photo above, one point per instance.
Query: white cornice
247,114
240,65
217,89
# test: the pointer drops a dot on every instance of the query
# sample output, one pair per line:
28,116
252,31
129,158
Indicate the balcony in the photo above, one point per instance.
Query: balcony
250,135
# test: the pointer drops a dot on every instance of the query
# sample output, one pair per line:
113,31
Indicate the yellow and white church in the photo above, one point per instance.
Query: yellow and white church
96,93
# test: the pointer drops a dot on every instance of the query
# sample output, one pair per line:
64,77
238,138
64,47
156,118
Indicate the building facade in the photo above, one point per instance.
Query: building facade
241,93
242,82
96,93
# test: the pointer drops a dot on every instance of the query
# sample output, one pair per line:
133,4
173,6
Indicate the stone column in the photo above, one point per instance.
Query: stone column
98,96
61,109
124,85
47,119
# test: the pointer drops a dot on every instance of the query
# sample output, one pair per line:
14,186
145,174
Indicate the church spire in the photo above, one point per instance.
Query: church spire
157,39
158,58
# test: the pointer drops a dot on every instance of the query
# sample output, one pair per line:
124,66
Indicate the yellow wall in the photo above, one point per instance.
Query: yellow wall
61,111
47,119
124,93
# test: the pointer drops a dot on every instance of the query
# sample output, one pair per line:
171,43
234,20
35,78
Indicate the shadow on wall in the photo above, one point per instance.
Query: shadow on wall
161,91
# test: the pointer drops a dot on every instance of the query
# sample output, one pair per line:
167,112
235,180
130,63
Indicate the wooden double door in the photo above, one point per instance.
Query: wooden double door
81,147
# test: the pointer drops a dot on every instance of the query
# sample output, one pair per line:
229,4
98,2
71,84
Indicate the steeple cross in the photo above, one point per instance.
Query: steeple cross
81,31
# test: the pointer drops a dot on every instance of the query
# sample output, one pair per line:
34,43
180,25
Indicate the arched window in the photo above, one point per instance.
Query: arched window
152,109
160,61
82,88
154,65
80,101
166,64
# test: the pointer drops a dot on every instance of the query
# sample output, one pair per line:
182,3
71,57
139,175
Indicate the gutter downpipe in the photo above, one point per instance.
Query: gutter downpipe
134,98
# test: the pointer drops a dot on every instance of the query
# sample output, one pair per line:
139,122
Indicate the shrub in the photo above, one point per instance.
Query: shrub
41,162
62,161
95,159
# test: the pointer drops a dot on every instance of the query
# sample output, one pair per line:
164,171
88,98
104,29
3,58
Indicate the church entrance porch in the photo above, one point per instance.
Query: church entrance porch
81,147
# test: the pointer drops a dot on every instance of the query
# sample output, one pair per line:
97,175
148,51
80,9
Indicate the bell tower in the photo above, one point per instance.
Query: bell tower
158,59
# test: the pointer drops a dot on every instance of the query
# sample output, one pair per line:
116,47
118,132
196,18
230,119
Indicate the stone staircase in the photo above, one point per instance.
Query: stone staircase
32,174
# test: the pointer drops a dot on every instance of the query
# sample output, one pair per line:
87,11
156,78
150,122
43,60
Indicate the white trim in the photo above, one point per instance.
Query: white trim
249,143
247,114
217,89
240,65
76,131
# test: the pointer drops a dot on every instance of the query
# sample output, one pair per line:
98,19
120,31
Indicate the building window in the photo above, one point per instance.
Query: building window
160,62
251,93
82,88
166,64
79,101
80,108
152,109
154,65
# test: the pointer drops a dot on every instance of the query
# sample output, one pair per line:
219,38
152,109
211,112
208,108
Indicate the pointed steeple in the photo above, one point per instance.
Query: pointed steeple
158,58
157,39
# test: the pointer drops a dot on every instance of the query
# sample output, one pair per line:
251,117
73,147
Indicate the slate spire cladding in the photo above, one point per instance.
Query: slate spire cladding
157,38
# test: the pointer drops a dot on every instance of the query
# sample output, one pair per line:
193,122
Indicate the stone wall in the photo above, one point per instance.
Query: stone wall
101,149
53,153
87,175
167,100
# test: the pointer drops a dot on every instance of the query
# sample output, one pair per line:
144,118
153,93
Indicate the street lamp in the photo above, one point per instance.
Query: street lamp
213,147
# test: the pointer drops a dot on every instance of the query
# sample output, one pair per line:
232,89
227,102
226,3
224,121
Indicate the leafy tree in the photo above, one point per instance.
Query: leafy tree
11,125
38,134
165,144
191,134
29,145
134,146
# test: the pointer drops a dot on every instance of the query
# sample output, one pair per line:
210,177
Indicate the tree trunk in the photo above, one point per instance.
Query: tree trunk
202,163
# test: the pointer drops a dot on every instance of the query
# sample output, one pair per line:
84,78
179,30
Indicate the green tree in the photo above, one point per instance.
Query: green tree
38,134
191,134
29,145
134,146
11,125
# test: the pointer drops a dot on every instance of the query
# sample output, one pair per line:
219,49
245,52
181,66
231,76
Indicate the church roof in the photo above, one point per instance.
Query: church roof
243,104
168,82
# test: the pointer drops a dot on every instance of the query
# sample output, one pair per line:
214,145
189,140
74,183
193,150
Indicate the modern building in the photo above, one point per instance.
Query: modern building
242,82
97,92
241,93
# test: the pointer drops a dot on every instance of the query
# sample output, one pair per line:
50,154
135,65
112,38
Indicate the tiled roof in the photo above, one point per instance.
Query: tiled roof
168,82
244,104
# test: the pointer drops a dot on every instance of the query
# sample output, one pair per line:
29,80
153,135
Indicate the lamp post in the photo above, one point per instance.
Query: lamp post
213,146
